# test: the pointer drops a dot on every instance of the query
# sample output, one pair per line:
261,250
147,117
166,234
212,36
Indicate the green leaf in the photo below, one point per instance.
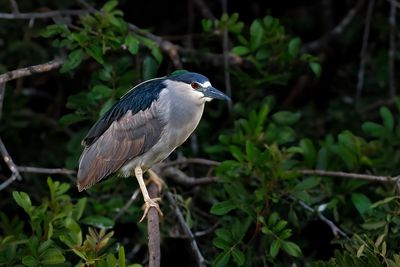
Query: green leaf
316,68
294,46
29,261
222,208
274,248
23,200
96,52
374,129
221,243
238,256
99,222
361,202
132,43
100,91
54,29
73,60
222,259
150,67
309,152
240,50
256,34
79,208
307,184
237,153
373,225
110,6
52,256
71,118
286,117
291,248
121,257
112,261
387,117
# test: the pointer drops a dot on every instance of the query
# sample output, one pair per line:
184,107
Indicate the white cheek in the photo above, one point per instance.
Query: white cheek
207,99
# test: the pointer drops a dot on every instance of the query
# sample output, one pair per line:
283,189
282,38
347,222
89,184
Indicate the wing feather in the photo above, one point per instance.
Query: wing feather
125,139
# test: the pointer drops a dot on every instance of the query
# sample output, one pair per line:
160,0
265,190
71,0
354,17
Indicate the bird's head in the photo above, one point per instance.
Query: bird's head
198,85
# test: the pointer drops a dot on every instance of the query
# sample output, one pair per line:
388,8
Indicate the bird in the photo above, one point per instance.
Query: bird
143,128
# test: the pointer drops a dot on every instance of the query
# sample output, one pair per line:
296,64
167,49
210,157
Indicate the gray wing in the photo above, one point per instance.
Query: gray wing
125,139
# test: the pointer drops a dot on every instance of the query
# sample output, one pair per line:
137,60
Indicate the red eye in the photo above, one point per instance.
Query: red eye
194,85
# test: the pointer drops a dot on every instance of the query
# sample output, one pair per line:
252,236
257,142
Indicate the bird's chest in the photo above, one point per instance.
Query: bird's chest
183,117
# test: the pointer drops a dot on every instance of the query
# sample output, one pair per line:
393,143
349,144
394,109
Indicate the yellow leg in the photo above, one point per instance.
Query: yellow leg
153,177
148,202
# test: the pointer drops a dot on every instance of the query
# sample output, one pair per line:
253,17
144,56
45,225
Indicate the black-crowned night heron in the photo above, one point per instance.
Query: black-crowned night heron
143,128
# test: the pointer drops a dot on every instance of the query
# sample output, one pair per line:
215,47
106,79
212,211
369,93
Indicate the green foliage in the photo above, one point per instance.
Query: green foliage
55,234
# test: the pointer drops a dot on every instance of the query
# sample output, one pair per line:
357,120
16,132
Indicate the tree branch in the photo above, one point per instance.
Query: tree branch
11,165
181,178
335,229
190,161
127,205
19,73
351,175
181,220
153,229
338,29
42,15
45,170
364,50
392,49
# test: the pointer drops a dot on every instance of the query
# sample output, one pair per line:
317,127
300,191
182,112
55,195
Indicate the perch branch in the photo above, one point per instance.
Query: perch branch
392,49
363,53
181,178
153,229
19,73
335,229
193,244
338,29
42,15
351,175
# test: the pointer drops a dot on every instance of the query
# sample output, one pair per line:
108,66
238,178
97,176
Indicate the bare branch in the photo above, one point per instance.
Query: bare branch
181,178
190,161
11,165
392,49
337,30
351,175
364,50
204,10
2,93
127,205
45,170
181,220
335,229
42,15
19,73
153,229
14,6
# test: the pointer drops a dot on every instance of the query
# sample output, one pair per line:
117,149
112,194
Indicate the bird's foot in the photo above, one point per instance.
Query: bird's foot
153,177
151,202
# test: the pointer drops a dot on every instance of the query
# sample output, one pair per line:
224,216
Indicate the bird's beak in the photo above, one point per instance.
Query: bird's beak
212,92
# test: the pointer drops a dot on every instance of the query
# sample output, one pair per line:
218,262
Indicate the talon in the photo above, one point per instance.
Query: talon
152,202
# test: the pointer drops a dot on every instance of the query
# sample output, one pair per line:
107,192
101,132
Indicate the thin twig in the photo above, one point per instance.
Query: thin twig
8,181
11,165
2,93
14,7
181,220
45,170
364,50
335,229
19,73
42,15
392,49
351,175
199,161
127,205
337,30
395,3
181,178
204,10
153,229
